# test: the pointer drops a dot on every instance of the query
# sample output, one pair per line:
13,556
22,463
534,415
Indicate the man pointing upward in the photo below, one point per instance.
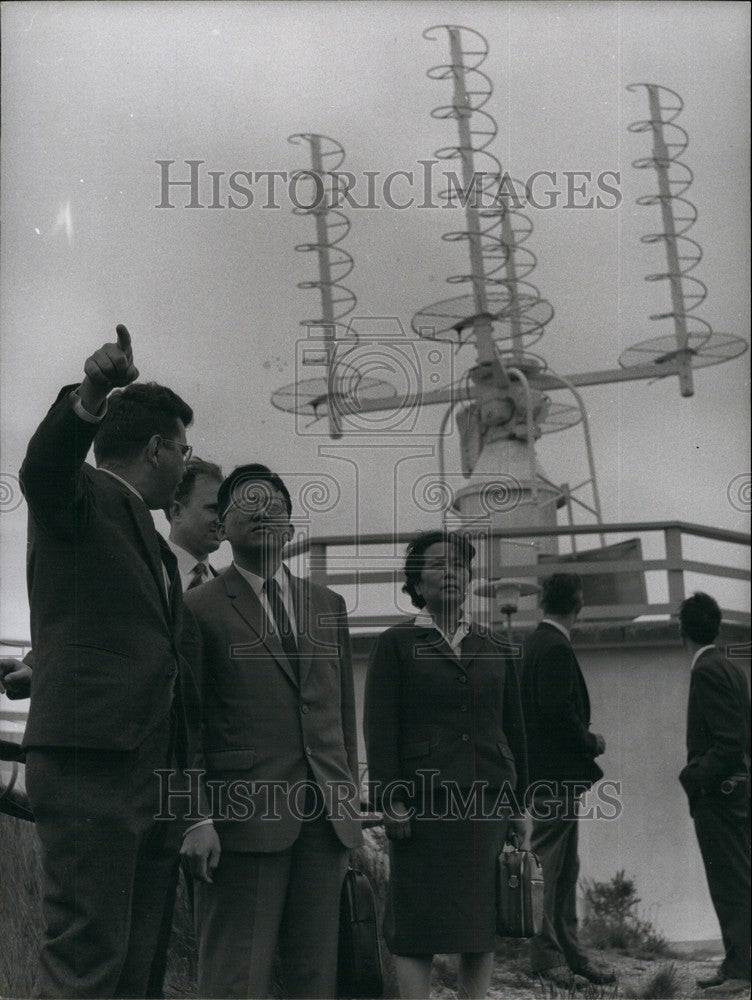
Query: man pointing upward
108,687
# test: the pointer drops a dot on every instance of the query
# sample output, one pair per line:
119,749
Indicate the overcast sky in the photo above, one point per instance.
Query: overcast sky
93,95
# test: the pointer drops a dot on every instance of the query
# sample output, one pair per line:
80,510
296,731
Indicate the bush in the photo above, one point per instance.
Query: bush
611,920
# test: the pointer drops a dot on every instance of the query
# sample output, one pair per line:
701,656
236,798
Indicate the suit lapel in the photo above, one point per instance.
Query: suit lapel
149,539
430,640
251,611
469,648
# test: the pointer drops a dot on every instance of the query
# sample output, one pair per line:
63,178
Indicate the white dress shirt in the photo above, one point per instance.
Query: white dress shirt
283,582
699,653
561,628
187,564
426,620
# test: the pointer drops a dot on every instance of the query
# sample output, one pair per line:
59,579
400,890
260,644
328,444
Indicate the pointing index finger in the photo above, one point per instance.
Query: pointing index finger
123,337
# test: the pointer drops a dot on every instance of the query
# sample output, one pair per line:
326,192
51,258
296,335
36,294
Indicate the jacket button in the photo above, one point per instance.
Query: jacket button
462,679
463,708
465,738
309,751
304,708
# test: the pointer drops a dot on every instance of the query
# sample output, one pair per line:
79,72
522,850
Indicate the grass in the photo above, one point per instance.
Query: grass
20,913
664,984
21,926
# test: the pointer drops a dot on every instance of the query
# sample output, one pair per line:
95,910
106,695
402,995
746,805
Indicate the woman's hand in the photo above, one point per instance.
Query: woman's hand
518,833
397,822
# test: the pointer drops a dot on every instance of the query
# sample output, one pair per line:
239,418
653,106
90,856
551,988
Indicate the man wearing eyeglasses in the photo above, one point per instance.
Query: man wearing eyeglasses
109,688
279,749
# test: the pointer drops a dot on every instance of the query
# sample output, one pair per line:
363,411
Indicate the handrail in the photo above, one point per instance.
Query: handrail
629,527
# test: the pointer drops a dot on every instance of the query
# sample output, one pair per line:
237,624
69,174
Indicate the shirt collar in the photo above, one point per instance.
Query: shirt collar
123,481
425,619
186,561
257,582
561,628
699,653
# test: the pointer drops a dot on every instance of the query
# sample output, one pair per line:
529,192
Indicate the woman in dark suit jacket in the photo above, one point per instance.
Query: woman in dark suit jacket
446,754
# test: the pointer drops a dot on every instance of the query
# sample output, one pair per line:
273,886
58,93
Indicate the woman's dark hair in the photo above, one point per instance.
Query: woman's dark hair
414,558
560,593
700,618
134,415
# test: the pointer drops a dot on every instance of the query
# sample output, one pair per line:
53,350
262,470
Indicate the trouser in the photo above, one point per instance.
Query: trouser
554,840
106,866
260,902
155,985
723,836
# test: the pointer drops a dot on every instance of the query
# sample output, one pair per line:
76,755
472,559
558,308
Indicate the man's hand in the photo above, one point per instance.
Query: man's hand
397,822
108,368
15,678
201,851
518,833
600,744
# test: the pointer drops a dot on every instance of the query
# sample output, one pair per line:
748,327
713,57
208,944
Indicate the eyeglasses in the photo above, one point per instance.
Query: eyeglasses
259,508
186,449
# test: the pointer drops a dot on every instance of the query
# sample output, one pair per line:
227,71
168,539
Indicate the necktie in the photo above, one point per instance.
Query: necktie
200,571
284,631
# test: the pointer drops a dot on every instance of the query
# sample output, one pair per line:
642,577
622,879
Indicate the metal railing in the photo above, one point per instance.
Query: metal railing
362,565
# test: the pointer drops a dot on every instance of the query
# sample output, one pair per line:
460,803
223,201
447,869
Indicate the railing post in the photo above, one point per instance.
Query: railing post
675,560
317,563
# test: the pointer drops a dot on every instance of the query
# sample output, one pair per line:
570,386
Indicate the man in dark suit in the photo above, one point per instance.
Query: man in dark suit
108,692
280,752
561,761
716,780
194,522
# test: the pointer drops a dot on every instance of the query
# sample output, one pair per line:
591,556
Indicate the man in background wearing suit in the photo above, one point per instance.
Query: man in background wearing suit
561,756
193,522
108,691
716,780
280,751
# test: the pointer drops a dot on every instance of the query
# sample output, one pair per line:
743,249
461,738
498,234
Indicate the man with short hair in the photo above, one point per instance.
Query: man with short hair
716,780
561,762
193,522
109,690
279,748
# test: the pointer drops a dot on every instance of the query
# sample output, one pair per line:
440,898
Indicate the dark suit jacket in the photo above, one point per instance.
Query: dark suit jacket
105,636
718,730
427,709
260,724
556,706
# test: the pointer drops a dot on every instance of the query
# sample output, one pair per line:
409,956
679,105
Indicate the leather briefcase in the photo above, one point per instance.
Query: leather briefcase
359,972
519,899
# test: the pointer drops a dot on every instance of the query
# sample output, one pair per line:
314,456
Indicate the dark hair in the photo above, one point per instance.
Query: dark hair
194,468
134,415
414,558
253,473
560,593
700,618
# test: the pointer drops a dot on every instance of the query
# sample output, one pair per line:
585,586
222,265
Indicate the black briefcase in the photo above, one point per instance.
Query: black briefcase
519,896
359,960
